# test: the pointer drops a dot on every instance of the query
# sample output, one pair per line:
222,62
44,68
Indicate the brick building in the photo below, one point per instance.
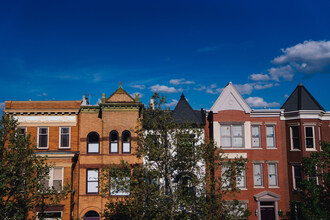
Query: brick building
259,136
80,138
306,125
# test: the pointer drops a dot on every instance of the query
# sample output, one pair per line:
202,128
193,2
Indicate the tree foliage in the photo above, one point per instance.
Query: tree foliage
173,181
313,191
21,174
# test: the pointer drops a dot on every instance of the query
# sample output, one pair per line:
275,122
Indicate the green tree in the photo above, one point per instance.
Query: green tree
171,183
312,197
22,173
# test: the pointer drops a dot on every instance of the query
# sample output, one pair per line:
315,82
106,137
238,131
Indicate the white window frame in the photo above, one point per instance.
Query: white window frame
51,177
60,135
313,131
232,136
294,183
87,181
291,138
50,218
276,174
316,177
259,136
261,175
47,138
274,137
21,128
243,178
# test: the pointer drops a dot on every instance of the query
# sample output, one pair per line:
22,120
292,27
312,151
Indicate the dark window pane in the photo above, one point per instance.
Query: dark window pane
309,143
43,139
93,137
57,184
65,130
114,136
65,140
43,130
309,132
126,136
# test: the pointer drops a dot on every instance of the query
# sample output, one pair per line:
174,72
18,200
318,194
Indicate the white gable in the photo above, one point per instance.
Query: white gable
230,99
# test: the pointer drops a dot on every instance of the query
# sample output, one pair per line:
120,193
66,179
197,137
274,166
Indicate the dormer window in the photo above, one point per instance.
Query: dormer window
114,139
126,142
93,143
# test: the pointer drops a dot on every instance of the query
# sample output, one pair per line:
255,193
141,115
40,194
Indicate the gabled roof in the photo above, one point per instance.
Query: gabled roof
120,95
301,99
184,113
230,99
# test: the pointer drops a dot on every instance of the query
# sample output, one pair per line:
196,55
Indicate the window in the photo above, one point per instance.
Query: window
92,181
272,174
126,139
240,179
232,136
93,142
236,209
114,137
309,137
54,179
65,137
295,143
270,135
256,136
185,145
22,131
296,174
120,186
313,176
225,176
49,215
42,137
257,174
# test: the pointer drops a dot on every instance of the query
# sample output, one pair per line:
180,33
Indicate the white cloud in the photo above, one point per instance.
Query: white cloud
309,57
200,88
286,96
265,86
259,77
180,81
207,49
284,72
135,93
43,94
172,104
138,86
259,102
245,88
214,91
163,89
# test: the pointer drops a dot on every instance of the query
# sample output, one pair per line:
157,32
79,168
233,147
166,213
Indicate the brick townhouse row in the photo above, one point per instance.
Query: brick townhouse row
81,138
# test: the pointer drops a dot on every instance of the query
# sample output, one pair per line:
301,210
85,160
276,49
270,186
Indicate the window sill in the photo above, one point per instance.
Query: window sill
64,148
271,148
311,149
243,189
258,187
42,148
297,150
273,187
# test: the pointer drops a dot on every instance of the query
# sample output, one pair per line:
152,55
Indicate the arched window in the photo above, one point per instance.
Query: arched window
93,143
91,215
126,142
114,138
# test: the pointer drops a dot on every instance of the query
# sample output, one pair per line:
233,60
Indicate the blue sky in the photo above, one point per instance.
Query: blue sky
60,50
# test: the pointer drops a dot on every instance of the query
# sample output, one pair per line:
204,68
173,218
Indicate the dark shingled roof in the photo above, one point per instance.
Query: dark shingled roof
301,99
184,113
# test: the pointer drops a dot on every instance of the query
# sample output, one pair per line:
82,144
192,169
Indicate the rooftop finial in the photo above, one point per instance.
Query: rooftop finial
120,84
182,96
300,84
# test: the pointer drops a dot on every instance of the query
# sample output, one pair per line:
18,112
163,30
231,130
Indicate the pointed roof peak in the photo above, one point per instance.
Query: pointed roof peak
183,112
182,96
230,99
120,95
301,99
